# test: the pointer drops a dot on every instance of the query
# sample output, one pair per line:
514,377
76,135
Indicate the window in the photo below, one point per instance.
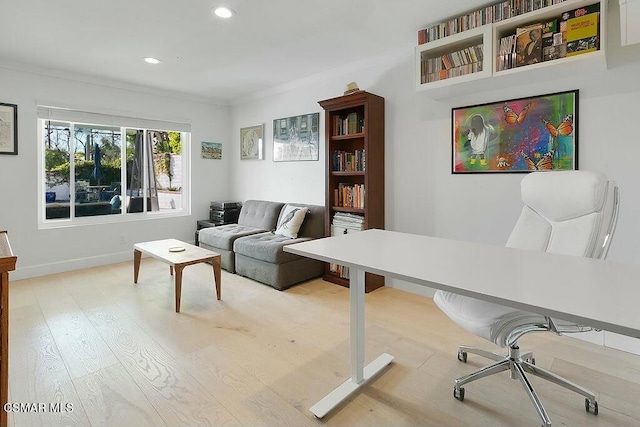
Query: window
100,168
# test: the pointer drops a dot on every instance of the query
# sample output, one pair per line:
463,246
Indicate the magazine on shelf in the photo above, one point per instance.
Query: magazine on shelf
583,34
552,41
529,45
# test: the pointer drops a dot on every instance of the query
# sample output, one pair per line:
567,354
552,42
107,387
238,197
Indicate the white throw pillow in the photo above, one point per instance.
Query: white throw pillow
290,220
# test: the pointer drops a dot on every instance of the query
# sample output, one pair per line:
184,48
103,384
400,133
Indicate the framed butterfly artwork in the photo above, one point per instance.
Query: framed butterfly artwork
522,135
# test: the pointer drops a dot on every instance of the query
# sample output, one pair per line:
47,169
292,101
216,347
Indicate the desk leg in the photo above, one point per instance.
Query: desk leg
360,374
356,309
137,255
217,275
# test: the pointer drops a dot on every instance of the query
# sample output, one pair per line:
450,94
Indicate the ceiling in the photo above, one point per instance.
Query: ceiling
267,44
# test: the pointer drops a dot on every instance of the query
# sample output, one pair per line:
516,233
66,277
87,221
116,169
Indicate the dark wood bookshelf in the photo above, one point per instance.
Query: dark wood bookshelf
370,112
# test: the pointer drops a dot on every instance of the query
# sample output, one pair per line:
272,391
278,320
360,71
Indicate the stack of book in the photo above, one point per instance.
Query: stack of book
507,53
493,13
453,64
348,125
345,161
349,196
344,223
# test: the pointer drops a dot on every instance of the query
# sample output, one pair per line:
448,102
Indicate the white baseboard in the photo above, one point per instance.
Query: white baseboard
69,265
622,342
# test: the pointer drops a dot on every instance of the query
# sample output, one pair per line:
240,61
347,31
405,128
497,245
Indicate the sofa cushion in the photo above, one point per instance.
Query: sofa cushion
267,247
290,220
260,214
223,237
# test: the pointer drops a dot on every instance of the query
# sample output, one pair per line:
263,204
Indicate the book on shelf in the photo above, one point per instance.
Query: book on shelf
581,11
452,64
529,45
349,196
555,51
347,161
507,53
486,15
349,221
350,124
339,270
575,13
551,41
583,34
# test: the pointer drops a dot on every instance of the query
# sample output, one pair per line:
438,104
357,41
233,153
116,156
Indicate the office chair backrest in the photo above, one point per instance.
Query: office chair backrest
566,212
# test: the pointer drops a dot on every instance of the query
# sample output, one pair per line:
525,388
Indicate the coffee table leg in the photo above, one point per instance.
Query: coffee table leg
137,255
178,286
217,275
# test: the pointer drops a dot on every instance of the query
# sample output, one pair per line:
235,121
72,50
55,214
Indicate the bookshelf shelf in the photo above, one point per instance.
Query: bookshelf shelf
348,173
350,136
583,66
367,110
447,45
346,209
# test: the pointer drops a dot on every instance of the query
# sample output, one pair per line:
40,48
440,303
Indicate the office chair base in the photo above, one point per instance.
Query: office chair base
517,364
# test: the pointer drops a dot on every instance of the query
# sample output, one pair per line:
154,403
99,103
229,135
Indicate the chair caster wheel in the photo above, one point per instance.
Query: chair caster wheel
588,406
462,356
459,394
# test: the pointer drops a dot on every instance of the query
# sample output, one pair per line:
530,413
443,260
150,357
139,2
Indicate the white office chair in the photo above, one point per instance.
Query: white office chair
568,212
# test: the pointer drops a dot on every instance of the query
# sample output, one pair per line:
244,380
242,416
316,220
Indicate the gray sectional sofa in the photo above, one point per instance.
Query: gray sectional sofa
250,248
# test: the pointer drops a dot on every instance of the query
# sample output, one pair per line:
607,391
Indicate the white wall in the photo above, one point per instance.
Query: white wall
422,196
54,250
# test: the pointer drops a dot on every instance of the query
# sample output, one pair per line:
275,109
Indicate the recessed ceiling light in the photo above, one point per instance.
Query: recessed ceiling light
223,12
151,60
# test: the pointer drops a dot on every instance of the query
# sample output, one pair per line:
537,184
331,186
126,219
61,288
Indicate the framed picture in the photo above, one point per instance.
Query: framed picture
8,128
517,135
296,138
251,143
211,150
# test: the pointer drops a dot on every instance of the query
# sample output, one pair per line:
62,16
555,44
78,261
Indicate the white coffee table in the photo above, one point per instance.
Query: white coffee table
160,249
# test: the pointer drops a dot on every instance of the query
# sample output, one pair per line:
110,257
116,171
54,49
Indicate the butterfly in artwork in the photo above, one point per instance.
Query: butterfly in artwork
545,162
511,117
565,128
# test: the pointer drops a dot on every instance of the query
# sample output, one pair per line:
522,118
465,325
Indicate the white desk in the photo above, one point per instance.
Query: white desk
601,294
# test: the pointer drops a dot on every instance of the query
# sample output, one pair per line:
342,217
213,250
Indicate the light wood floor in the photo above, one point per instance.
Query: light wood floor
122,357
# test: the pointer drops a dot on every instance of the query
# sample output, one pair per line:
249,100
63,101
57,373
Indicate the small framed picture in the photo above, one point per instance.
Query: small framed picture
8,128
252,143
211,150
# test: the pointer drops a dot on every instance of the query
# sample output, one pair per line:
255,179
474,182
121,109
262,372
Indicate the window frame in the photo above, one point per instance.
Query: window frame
184,209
